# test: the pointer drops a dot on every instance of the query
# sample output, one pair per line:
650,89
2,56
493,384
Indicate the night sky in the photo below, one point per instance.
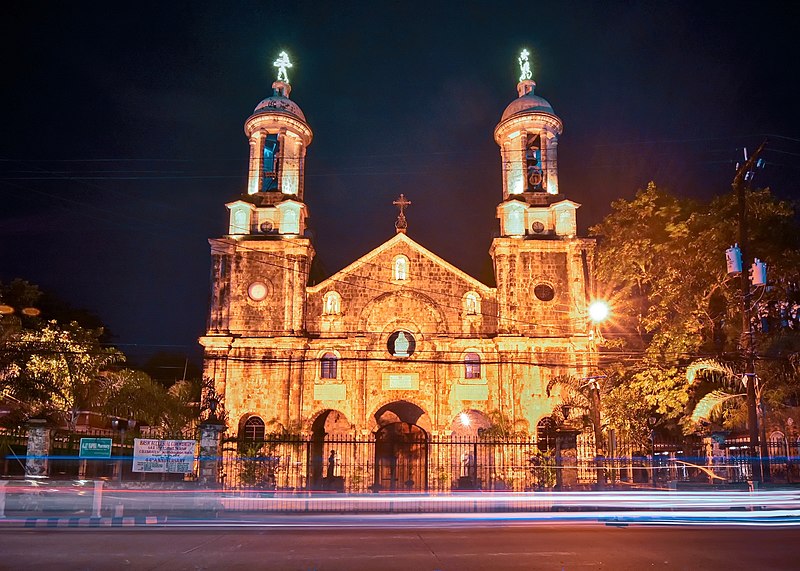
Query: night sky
122,127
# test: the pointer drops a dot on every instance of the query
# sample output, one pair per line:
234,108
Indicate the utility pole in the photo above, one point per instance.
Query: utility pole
743,175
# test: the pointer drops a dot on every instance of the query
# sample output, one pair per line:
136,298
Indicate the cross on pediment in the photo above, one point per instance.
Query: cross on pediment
401,224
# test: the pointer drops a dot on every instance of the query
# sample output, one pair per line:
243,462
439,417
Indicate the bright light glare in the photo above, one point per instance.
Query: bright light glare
598,311
464,418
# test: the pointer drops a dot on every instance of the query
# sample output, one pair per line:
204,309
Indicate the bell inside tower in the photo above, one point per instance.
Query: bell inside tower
533,160
269,179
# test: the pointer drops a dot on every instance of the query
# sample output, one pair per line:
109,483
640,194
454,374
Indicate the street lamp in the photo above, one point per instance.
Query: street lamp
213,403
599,311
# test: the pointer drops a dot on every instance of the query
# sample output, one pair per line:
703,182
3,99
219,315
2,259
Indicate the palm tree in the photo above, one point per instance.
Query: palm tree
726,383
583,393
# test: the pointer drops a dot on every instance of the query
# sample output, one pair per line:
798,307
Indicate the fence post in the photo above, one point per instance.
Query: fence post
97,498
39,443
210,452
3,484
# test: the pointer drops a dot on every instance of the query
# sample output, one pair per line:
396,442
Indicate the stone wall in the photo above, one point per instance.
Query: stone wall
268,366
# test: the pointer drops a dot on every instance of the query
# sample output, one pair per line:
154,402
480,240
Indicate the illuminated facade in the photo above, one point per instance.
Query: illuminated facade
399,342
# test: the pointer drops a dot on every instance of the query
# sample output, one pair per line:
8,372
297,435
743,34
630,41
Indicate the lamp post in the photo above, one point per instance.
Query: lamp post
651,422
593,384
599,311
116,425
121,426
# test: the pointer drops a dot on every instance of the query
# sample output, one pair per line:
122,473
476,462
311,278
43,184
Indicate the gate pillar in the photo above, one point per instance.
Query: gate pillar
39,443
210,452
566,458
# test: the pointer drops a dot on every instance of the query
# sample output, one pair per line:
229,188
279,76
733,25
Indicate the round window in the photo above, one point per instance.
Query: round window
266,226
537,227
401,344
257,291
544,292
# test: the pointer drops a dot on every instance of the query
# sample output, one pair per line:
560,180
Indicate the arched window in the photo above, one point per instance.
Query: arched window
472,303
332,303
254,429
328,366
400,268
472,366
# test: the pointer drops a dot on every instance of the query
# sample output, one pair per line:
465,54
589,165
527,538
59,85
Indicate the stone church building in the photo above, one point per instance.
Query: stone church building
400,343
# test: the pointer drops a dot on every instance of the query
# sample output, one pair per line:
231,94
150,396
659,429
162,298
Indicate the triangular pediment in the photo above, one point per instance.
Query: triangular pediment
404,241
565,204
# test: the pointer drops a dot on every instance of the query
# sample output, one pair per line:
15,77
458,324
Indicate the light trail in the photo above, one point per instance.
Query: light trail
40,504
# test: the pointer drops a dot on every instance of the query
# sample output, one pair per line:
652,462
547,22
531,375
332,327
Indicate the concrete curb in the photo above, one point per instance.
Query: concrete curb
67,522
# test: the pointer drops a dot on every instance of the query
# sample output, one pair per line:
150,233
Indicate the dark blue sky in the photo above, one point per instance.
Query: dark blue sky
122,127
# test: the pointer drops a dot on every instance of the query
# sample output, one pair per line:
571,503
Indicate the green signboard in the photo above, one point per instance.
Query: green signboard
95,448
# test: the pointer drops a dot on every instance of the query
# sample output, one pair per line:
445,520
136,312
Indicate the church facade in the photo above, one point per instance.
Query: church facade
400,343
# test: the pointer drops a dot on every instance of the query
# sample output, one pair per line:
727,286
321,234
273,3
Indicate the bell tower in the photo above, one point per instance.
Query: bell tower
278,136
528,138
260,267
543,271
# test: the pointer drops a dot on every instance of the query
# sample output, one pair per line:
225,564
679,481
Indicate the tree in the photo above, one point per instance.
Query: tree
661,259
54,369
584,394
502,429
712,385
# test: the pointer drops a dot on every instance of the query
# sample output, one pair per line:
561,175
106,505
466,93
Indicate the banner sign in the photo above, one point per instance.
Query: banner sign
95,448
169,456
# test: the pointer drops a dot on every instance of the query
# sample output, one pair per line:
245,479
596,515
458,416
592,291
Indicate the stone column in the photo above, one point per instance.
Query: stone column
566,459
256,162
39,442
210,452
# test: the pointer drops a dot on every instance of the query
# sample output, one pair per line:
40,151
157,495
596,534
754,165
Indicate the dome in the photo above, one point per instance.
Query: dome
279,101
528,103
281,104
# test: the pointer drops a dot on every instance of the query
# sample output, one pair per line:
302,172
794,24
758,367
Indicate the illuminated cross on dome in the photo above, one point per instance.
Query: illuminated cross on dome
401,225
524,66
283,63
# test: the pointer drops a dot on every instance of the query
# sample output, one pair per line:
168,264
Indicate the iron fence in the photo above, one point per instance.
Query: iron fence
342,463
422,463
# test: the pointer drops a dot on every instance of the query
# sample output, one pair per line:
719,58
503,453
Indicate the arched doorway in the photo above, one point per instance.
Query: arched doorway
401,449
328,434
401,457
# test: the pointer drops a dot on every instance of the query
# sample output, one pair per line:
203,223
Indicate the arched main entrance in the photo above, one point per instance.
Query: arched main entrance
401,457
401,449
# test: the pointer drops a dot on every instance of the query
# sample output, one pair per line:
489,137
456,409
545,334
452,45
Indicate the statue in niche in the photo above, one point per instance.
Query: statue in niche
401,345
334,465
467,462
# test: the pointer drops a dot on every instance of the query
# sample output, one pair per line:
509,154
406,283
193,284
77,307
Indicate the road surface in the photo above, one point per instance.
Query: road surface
471,546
